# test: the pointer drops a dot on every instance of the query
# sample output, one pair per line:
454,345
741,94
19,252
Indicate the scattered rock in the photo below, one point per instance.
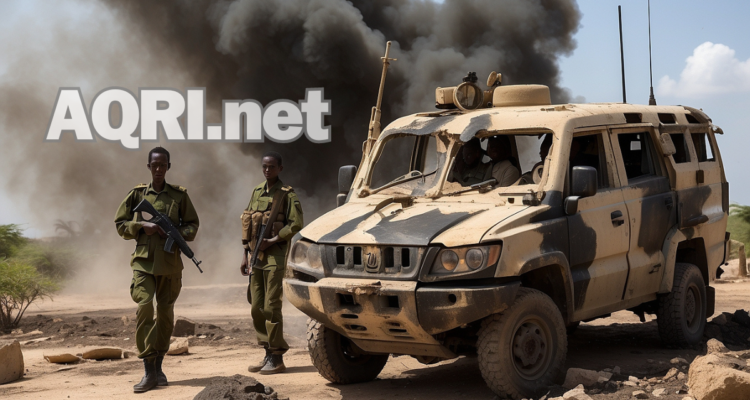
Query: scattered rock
659,392
11,362
209,326
237,387
715,346
681,376
177,345
64,369
125,320
605,374
56,320
640,394
16,332
103,353
37,340
183,327
576,394
64,358
616,370
629,383
720,319
678,360
579,376
633,379
716,377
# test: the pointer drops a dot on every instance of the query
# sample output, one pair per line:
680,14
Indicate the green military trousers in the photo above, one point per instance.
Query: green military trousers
152,336
266,290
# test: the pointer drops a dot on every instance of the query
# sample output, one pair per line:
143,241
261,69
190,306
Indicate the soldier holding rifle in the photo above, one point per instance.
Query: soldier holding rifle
157,271
272,218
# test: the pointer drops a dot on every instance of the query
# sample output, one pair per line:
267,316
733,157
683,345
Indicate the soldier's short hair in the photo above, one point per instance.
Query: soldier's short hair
158,150
273,155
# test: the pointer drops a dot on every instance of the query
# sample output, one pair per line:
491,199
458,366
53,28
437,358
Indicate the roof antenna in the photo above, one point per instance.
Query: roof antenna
622,55
651,99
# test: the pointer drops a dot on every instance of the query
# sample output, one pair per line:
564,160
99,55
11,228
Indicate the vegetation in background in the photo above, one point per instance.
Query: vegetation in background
32,270
739,226
20,285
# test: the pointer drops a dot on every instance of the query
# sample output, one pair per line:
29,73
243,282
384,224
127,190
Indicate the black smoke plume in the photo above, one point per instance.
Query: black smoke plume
263,50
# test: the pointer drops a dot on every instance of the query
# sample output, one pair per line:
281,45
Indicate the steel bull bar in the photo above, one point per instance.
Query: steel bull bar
395,316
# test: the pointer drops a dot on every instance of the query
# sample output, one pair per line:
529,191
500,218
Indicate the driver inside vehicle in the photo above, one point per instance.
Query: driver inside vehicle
535,175
504,167
468,168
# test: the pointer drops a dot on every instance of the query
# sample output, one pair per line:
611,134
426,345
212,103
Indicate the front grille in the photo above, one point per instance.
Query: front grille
389,262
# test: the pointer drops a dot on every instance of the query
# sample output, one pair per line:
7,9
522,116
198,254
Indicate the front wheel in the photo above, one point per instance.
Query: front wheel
681,315
338,359
522,351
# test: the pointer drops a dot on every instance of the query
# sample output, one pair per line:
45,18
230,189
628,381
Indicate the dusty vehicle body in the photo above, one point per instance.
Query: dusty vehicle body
373,269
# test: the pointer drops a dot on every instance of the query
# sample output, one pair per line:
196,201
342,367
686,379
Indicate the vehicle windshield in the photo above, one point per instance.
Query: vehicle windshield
408,165
411,165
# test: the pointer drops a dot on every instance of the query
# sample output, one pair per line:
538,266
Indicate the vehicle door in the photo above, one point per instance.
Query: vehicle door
651,206
598,232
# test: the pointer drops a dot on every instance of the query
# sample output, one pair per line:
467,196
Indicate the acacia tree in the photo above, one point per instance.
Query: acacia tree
20,285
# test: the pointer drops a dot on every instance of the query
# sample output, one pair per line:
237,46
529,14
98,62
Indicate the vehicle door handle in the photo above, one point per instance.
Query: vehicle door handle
617,218
669,203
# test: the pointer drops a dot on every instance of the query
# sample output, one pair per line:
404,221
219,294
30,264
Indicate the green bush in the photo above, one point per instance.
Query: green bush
739,227
56,260
20,285
11,239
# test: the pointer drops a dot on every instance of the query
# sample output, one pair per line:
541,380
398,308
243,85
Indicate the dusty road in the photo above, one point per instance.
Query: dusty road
227,349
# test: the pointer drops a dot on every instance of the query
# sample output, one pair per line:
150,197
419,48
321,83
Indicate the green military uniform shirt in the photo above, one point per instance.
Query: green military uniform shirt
471,176
261,201
149,255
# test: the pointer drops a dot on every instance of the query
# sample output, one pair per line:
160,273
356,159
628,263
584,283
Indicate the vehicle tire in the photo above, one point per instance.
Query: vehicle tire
338,359
522,351
681,314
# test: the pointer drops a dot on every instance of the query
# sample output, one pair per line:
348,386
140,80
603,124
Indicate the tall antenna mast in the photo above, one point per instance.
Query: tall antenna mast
651,98
622,55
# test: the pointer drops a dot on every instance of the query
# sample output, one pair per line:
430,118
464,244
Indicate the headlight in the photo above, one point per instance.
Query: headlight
464,260
305,255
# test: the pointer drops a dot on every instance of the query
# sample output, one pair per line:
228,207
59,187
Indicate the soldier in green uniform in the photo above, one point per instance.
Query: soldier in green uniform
268,273
157,275
468,168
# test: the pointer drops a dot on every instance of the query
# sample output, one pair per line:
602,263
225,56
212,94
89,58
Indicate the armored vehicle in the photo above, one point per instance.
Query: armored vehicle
614,207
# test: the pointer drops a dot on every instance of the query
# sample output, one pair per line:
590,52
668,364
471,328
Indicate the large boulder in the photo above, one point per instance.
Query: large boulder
719,376
11,362
183,327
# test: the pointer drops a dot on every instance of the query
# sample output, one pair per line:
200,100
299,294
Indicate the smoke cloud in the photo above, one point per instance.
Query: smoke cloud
246,49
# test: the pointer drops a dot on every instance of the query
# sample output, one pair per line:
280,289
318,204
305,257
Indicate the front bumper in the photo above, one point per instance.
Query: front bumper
396,316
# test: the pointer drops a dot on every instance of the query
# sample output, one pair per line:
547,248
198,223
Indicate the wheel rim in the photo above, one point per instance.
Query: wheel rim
531,348
692,308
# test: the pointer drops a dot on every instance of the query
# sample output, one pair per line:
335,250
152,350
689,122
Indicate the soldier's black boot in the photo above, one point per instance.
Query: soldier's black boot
149,380
274,365
161,379
258,367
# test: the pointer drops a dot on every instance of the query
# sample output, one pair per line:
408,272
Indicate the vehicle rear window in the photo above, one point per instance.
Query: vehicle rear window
703,147
681,155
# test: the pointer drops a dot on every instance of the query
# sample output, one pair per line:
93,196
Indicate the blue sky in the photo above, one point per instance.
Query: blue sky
701,58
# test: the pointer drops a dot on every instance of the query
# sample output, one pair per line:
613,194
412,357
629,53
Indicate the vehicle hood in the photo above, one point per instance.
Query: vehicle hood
414,225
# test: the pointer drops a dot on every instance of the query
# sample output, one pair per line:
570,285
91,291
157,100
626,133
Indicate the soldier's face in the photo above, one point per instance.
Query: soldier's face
158,167
271,168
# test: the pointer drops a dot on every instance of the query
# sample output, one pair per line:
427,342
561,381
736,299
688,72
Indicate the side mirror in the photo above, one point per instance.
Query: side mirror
346,178
583,184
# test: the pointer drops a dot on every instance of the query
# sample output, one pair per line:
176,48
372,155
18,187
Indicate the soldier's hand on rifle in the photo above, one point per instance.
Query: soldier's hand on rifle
269,242
243,265
151,228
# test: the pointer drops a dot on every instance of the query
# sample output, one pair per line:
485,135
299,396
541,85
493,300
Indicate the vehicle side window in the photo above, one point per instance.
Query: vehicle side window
682,155
588,151
703,147
637,154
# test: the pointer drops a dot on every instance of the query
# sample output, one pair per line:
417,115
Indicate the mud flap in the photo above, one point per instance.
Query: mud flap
710,301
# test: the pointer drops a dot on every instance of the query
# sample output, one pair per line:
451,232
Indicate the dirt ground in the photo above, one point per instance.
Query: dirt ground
224,346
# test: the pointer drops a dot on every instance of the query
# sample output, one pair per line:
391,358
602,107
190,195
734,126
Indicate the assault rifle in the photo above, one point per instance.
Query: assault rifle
173,235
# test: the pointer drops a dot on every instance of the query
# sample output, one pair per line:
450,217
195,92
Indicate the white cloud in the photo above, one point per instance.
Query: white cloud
713,69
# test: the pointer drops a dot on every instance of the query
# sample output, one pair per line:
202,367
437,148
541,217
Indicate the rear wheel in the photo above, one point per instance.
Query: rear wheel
338,359
522,351
681,315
